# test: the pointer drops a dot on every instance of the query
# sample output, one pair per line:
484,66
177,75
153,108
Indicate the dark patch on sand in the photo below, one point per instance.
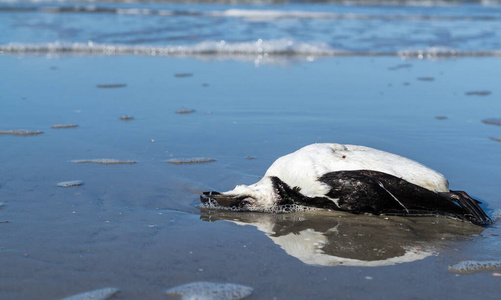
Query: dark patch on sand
492,121
441,117
400,66
111,86
182,75
104,161
185,111
63,126
20,132
194,160
126,118
478,93
426,78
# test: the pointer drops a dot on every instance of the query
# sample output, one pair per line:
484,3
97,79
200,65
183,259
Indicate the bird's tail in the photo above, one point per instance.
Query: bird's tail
473,212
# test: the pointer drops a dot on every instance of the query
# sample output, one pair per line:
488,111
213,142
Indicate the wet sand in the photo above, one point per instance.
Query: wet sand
137,227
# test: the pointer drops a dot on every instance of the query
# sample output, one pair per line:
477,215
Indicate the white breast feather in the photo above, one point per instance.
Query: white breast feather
303,168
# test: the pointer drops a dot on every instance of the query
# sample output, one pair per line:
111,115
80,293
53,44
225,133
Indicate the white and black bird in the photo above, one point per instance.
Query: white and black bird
354,179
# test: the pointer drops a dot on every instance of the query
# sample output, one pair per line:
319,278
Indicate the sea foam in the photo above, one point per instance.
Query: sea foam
279,209
259,47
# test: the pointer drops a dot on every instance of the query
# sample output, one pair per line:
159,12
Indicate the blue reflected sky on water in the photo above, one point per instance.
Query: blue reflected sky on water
247,104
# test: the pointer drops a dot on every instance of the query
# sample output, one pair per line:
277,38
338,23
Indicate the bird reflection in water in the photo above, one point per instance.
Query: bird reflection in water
327,238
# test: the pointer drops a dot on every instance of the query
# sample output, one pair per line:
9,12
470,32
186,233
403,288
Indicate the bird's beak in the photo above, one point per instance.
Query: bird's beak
214,198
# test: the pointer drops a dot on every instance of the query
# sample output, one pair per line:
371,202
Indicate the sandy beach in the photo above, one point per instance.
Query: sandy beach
137,226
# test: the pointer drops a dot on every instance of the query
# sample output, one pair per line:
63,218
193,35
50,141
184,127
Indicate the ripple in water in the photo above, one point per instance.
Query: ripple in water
195,160
64,126
101,294
492,121
20,132
111,86
104,161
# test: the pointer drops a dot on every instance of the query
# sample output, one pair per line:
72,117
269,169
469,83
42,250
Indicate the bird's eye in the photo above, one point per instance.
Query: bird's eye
246,201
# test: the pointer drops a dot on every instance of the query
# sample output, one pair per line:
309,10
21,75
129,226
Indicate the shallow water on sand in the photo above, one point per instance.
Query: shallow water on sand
137,226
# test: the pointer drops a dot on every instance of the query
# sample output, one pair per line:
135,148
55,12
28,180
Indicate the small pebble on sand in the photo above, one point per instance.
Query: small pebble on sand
492,121
185,111
20,132
64,126
101,294
104,161
126,118
70,183
194,160
211,291
478,93
111,86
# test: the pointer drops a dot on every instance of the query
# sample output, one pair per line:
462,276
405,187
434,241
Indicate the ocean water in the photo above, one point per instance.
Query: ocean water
138,89
422,29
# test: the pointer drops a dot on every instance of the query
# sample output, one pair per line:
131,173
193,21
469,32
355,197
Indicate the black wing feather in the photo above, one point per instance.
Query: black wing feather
367,191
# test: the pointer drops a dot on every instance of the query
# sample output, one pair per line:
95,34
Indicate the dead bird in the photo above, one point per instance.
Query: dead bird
355,179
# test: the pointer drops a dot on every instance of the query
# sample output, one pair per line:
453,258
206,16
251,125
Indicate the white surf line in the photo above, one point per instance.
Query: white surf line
278,47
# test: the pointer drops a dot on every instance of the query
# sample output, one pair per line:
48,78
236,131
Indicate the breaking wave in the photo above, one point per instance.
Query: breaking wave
280,47
282,2
248,14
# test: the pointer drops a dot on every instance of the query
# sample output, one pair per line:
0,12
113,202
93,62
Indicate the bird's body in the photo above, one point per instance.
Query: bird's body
352,178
